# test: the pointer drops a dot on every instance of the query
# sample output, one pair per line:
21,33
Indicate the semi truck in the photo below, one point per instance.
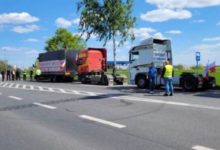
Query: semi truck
157,51
57,65
90,65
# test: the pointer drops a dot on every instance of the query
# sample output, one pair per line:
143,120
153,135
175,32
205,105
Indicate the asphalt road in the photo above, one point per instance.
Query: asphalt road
72,116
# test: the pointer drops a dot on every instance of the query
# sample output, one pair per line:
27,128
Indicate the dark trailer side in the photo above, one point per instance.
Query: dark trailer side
58,65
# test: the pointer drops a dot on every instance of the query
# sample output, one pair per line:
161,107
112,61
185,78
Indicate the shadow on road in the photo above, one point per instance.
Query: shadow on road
209,94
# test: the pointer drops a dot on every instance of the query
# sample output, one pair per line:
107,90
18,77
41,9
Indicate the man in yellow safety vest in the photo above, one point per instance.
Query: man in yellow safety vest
167,74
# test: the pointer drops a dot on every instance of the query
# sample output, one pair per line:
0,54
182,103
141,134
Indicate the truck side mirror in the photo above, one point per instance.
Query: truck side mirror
131,61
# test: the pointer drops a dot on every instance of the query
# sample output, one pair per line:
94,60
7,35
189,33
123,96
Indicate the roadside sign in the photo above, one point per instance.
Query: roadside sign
197,56
197,62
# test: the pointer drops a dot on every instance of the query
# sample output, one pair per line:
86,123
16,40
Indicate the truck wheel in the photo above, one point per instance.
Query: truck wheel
104,80
141,82
83,80
189,83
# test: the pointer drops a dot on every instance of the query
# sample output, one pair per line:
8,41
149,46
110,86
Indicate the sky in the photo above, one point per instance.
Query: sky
191,25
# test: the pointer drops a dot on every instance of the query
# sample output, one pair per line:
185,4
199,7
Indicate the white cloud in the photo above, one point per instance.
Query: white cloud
159,35
211,39
175,9
143,33
31,40
84,36
179,4
205,47
174,32
209,52
17,18
64,23
61,22
20,50
76,21
32,52
199,21
25,29
218,24
161,15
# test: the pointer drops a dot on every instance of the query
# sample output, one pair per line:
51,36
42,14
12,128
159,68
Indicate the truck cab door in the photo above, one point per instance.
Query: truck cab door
133,65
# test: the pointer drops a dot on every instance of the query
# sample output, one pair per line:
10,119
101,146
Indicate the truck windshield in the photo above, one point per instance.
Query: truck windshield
134,56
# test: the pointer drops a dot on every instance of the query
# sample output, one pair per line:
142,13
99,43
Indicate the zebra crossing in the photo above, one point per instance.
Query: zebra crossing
45,89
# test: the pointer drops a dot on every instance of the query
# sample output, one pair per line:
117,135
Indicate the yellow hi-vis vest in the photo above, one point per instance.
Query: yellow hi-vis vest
38,72
169,71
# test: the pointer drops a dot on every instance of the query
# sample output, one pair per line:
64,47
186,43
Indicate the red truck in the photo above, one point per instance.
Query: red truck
92,67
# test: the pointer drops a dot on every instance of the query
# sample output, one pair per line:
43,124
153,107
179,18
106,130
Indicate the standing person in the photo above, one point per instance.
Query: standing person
24,75
152,74
31,74
167,74
18,74
3,75
13,75
8,74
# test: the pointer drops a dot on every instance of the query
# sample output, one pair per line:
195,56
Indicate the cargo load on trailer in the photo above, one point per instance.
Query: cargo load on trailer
57,65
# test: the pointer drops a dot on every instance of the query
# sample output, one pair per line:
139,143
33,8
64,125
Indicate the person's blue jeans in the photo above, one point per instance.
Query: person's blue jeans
152,81
168,85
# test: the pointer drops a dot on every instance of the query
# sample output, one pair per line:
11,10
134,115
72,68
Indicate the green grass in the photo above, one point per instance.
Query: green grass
216,74
177,72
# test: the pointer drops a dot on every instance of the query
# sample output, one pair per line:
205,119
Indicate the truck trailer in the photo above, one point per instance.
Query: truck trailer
157,51
57,65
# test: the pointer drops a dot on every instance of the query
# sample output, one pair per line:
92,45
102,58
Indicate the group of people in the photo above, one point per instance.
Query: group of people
12,75
167,75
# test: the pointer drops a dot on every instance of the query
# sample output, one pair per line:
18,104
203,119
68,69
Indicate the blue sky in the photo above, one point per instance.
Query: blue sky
191,25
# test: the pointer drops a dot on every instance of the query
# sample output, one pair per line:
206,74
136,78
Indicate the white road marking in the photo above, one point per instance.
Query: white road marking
62,91
198,147
1,83
92,93
24,86
51,89
76,92
10,85
17,86
31,87
16,98
40,88
45,106
116,125
139,99
166,102
4,85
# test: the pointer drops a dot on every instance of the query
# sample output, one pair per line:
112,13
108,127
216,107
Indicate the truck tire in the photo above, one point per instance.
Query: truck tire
104,80
141,82
189,83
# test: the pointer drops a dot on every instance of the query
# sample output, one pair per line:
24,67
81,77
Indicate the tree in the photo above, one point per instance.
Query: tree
200,67
2,65
179,67
63,39
107,19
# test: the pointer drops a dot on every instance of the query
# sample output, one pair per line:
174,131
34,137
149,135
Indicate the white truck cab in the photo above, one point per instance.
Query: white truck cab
141,56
